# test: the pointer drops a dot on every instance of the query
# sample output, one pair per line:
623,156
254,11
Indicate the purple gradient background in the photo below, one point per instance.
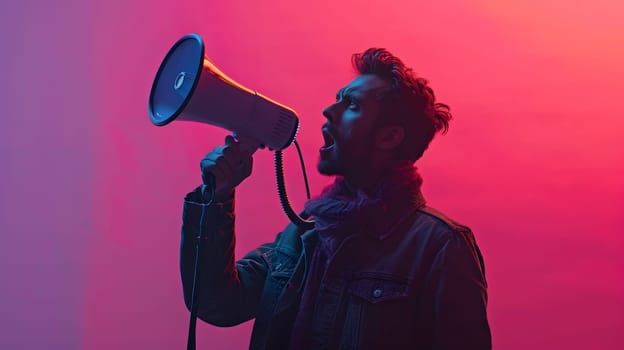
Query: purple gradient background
91,192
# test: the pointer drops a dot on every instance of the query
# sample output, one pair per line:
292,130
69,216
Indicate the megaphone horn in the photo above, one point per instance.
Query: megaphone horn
188,86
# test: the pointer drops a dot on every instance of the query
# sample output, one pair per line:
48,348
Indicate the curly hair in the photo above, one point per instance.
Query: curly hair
410,101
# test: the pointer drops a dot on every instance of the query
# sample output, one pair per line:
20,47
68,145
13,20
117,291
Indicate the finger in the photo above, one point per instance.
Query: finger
220,149
220,152
230,141
216,151
227,158
209,160
218,162
228,163
233,156
224,164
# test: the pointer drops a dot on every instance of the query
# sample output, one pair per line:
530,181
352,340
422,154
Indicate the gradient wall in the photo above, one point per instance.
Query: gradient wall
91,193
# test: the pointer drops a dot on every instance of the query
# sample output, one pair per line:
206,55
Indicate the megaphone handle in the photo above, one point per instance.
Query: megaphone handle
248,145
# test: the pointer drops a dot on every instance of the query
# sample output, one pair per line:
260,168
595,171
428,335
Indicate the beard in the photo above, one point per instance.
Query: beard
327,166
347,157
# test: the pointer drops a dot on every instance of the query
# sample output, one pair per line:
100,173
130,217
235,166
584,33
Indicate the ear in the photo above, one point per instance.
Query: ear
389,137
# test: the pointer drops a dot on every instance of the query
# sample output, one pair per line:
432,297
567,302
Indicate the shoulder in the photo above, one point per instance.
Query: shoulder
435,226
442,220
452,237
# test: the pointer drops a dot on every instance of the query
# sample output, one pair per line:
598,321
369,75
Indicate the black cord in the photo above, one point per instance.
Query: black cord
303,169
191,341
281,188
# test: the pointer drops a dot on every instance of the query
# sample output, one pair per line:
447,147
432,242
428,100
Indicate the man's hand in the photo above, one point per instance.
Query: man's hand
229,165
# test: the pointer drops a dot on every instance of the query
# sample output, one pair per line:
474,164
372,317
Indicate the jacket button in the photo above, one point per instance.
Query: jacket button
377,293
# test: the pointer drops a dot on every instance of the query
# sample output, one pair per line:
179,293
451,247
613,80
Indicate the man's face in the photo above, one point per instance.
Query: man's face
350,128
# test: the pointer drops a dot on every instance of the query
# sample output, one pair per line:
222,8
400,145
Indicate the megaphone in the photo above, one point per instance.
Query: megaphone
188,86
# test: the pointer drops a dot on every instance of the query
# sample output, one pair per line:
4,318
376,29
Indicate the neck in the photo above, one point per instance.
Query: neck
365,180
361,182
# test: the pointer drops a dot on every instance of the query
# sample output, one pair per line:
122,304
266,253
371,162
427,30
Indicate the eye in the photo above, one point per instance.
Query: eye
348,100
352,105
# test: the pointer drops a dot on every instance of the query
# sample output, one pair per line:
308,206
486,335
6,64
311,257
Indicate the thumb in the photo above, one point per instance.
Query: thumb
229,140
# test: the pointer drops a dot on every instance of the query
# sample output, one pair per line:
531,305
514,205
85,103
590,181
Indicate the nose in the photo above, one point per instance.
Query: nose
328,112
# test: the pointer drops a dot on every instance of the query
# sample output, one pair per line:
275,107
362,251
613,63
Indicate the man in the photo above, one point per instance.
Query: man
380,269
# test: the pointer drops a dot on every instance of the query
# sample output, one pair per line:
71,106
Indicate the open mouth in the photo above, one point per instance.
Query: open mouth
329,141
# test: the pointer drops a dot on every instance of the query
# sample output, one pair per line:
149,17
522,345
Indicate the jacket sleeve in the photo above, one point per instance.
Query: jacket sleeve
459,293
229,292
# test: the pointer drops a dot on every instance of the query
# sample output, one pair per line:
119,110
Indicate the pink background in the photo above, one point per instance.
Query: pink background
91,193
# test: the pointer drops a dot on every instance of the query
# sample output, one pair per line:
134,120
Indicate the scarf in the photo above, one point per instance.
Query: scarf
338,212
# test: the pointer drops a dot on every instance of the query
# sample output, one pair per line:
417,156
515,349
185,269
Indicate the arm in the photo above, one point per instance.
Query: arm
459,295
229,292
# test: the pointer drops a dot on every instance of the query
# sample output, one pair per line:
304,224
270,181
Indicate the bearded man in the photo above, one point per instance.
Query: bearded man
380,269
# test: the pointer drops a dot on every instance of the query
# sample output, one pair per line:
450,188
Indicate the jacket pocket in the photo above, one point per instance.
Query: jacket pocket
376,288
377,312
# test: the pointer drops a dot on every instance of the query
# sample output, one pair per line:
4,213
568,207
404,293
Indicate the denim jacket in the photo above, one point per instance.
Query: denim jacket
421,286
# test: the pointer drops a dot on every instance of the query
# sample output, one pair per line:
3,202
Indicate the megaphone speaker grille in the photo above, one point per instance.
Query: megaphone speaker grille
176,79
